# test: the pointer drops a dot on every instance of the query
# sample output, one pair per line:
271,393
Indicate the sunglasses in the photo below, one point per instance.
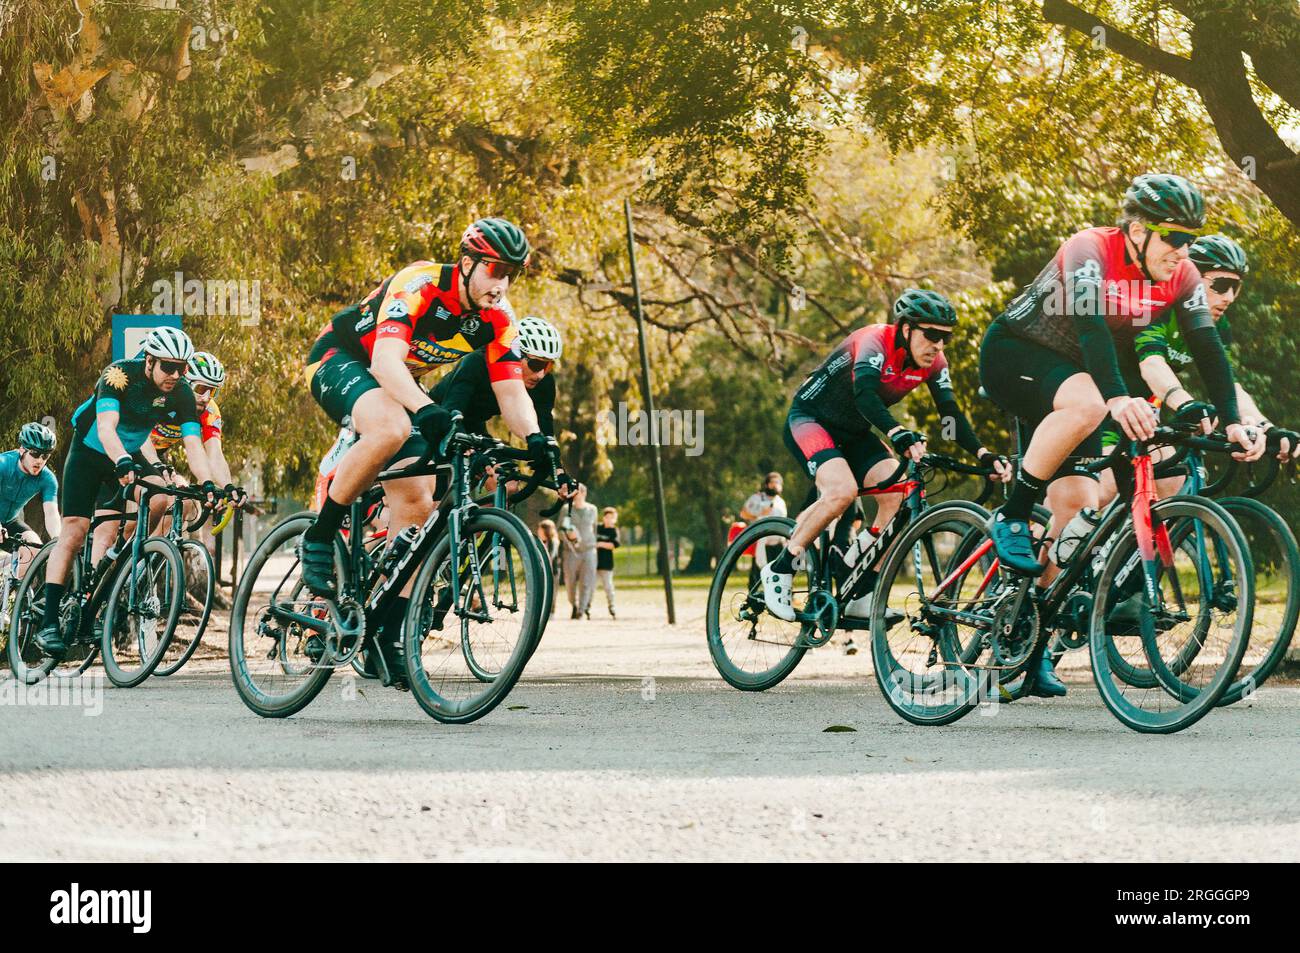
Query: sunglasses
41,454
202,390
934,335
1223,284
501,269
1175,236
538,364
172,368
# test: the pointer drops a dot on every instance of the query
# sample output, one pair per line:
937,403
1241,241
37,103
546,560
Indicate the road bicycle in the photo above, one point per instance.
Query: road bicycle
752,649
476,601
971,627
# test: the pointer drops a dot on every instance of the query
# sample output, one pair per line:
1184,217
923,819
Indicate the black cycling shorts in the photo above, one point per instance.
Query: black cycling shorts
336,384
812,443
1022,377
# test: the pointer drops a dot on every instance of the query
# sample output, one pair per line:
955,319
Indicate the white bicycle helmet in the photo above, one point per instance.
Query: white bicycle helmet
170,344
539,338
205,369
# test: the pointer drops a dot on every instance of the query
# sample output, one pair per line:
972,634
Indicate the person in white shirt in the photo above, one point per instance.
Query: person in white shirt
766,502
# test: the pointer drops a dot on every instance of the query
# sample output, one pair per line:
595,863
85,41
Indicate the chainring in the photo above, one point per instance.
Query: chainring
1013,638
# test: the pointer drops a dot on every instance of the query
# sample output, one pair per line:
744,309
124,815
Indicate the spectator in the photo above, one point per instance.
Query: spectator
766,502
606,542
550,539
579,528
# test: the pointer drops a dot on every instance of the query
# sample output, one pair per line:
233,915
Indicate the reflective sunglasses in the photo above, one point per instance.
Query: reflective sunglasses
934,335
172,368
202,390
1223,284
40,454
539,364
501,269
1176,236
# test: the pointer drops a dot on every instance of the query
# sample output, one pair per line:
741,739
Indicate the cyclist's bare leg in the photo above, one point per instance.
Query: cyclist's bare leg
105,534
1065,498
409,503
71,536
382,426
836,490
1077,411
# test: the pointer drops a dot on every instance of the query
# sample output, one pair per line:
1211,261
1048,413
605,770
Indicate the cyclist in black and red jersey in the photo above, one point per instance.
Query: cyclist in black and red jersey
1051,358
829,428
363,371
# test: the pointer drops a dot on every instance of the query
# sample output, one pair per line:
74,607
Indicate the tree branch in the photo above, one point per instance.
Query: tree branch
1066,14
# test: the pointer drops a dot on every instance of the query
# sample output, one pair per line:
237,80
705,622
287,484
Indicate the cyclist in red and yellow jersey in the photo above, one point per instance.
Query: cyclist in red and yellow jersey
363,370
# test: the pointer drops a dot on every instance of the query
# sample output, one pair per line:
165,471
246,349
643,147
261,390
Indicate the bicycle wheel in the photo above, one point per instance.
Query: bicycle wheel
925,665
1191,637
752,649
268,662
200,589
26,661
466,649
143,605
1276,559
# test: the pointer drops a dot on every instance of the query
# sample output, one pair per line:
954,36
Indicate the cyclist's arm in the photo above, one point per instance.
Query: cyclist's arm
1163,382
1246,406
197,459
106,419
388,365
516,408
217,461
150,453
1204,344
53,521
866,397
1081,264
945,401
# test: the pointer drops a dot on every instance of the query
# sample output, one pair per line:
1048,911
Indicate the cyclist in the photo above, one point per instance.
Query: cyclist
363,369
829,429
24,473
1051,359
108,430
206,376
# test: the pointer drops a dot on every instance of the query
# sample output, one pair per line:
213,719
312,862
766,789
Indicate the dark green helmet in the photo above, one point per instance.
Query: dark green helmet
496,238
1218,253
1157,198
917,306
37,437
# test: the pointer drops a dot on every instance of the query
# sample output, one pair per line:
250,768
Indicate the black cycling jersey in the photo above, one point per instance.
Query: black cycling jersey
468,389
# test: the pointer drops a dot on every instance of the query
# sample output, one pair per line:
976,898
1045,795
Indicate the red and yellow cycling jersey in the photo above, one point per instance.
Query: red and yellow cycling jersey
167,435
420,305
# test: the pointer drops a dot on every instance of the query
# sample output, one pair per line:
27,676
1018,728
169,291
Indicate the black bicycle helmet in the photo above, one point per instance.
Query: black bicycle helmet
1159,197
1218,253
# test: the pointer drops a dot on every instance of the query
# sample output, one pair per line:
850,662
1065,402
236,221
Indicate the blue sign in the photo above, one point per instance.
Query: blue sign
129,331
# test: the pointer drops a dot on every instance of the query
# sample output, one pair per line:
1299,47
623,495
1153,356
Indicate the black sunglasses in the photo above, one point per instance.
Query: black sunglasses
40,454
1175,236
172,367
1223,284
934,335
538,364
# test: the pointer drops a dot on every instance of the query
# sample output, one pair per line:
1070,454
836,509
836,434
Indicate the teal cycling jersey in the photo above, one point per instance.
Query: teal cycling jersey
124,387
18,487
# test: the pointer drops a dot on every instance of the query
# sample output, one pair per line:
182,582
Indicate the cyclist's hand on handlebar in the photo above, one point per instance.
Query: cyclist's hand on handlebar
214,498
1001,466
539,451
125,470
1285,443
1251,440
908,444
1196,412
565,486
1134,417
433,422
237,495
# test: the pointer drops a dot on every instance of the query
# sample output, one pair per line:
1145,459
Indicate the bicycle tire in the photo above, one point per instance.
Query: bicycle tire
210,590
168,611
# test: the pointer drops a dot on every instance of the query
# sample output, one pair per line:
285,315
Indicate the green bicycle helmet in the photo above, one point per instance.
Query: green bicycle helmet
918,306
1218,253
1159,197
496,238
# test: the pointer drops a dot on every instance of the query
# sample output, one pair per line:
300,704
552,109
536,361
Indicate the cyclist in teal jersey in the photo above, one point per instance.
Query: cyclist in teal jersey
23,474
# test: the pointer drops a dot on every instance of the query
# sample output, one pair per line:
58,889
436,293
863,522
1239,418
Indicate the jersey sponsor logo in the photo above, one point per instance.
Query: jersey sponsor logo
877,361
416,283
431,352
1198,300
944,379
160,401
1088,273
115,378
397,309
440,313
387,329
365,324
470,325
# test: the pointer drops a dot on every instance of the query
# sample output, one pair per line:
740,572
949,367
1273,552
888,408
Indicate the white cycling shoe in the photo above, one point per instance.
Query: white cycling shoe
860,608
777,593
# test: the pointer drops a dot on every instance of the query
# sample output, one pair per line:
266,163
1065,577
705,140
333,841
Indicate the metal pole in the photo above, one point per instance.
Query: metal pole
647,400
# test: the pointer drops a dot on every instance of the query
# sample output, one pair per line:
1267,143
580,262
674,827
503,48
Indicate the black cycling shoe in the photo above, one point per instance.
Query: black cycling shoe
1042,680
1014,544
443,606
50,641
314,648
1125,618
317,556
393,658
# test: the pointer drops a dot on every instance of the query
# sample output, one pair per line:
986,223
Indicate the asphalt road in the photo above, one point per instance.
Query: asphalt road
621,744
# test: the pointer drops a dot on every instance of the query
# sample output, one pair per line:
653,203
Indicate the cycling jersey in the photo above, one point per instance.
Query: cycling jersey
167,435
1091,287
866,373
125,388
1164,339
17,486
468,389
420,305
